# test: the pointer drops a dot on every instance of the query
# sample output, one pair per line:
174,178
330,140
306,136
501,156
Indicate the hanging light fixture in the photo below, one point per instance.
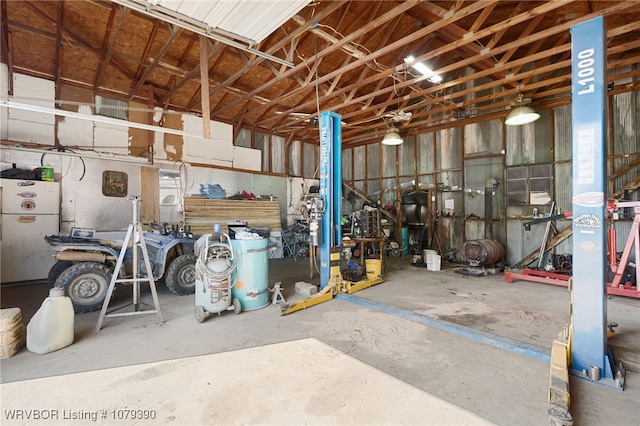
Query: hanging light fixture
392,138
521,114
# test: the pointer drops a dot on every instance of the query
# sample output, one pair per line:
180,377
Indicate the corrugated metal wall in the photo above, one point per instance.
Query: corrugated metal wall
295,158
626,125
562,132
277,155
359,163
347,167
483,138
406,157
459,160
530,143
310,160
425,153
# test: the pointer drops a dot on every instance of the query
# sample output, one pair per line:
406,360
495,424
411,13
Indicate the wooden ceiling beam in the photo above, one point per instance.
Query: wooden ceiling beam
506,56
395,45
217,48
356,35
171,84
562,56
438,113
434,53
174,32
80,40
477,24
108,48
147,48
491,85
257,61
516,43
57,66
348,58
282,43
517,11
6,45
430,12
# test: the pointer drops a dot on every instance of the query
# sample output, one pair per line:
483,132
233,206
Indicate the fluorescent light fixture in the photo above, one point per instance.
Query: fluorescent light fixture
423,69
521,115
392,138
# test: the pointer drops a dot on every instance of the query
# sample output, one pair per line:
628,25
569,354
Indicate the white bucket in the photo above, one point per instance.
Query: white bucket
433,262
427,253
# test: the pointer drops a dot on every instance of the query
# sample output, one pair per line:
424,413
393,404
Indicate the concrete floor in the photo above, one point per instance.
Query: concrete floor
399,328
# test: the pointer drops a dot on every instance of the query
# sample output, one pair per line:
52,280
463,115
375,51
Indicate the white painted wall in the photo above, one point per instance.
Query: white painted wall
76,132
217,151
105,147
30,126
297,189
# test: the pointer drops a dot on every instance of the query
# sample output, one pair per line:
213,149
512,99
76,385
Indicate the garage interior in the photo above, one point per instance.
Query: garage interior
436,292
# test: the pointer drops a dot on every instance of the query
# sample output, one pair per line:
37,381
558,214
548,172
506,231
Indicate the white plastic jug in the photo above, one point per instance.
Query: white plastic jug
51,328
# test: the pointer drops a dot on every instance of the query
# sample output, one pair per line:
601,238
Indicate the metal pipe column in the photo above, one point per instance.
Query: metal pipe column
330,189
590,357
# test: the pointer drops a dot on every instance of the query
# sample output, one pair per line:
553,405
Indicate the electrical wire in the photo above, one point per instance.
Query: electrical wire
62,149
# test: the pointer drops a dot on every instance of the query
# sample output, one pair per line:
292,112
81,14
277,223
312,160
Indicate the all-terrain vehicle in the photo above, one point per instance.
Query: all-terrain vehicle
84,266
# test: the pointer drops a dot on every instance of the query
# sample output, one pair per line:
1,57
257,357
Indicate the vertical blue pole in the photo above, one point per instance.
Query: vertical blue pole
330,188
337,178
588,95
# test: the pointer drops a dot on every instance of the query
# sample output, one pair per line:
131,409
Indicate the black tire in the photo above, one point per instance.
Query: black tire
58,268
86,284
200,314
181,275
237,307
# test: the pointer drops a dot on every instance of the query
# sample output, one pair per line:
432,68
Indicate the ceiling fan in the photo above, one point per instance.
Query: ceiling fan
394,120
398,116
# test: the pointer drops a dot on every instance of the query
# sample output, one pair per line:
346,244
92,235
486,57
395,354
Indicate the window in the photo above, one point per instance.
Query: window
528,185
169,188
109,107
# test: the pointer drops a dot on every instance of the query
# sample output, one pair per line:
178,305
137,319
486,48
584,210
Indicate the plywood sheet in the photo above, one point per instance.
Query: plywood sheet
201,213
150,189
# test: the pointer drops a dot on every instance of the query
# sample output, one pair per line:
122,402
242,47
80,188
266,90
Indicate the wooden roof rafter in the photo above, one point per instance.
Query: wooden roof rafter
79,39
436,115
514,44
482,48
57,66
108,47
174,31
280,45
391,47
430,12
353,36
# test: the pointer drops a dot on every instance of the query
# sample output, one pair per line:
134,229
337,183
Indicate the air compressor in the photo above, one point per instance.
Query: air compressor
215,277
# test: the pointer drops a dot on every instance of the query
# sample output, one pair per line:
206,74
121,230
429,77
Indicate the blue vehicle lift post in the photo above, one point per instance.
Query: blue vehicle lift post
331,193
590,357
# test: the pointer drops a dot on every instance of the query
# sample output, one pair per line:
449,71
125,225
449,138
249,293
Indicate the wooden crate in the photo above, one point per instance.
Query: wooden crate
201,213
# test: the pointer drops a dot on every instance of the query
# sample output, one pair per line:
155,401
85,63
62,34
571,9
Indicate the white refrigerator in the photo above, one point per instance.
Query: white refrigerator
30,211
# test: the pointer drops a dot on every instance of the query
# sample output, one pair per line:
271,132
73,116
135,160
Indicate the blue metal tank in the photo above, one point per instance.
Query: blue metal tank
252,273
